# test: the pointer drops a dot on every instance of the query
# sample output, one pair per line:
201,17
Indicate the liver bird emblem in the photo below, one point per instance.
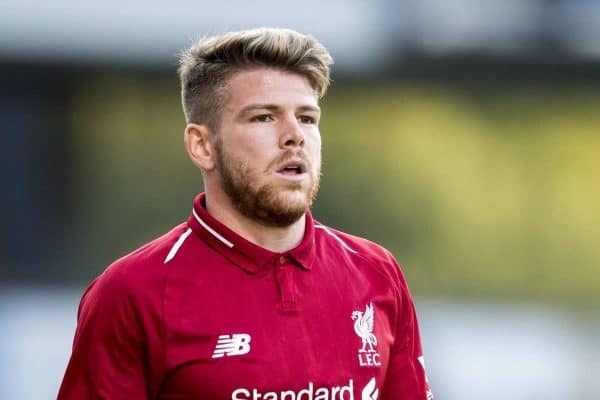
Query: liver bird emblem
363,326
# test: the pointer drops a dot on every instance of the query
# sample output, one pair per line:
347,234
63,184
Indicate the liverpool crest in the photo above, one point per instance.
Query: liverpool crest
363,326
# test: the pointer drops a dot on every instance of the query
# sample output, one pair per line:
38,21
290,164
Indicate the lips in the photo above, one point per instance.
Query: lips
293,167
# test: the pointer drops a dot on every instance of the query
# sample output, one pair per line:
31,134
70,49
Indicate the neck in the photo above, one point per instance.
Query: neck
273,238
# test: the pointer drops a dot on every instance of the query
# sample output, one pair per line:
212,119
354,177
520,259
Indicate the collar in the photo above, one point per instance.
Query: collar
242,252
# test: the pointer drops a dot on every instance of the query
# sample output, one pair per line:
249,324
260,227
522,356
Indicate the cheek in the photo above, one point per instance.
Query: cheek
258,146
313,146
244,148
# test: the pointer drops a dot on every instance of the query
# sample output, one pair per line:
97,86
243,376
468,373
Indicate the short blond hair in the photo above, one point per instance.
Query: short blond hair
207,65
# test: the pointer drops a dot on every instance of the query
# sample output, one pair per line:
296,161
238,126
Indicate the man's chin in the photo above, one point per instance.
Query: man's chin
275,204
294,196
284,209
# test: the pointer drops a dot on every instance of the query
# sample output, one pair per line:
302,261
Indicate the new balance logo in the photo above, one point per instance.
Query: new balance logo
232,345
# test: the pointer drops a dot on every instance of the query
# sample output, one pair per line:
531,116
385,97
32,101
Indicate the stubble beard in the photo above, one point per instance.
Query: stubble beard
266,203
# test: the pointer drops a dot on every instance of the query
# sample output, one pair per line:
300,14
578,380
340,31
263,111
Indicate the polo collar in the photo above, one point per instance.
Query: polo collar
242,252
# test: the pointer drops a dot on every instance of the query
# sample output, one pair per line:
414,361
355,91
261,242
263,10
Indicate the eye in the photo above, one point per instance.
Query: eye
307,119
262,118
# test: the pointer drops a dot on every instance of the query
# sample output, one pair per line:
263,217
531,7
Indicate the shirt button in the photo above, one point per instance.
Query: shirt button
282,260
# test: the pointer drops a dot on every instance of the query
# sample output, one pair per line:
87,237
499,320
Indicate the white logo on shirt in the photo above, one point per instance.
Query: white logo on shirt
429,393
311,391
370,391
363,327
232,345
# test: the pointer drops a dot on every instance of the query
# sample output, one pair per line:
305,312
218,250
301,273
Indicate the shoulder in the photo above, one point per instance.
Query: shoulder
154,253
360,250
149,258
139,274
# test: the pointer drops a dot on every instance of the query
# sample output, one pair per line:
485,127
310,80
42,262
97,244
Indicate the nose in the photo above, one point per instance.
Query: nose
292,134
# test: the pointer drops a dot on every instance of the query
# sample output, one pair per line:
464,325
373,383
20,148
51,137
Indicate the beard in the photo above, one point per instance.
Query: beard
266,204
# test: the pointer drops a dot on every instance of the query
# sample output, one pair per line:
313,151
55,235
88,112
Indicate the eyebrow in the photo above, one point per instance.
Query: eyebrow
274,107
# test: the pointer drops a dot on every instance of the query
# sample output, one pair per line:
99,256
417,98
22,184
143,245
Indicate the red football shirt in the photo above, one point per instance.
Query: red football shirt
202,313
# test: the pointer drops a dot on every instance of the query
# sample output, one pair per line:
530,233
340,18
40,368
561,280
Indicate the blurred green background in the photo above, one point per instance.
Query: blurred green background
480,192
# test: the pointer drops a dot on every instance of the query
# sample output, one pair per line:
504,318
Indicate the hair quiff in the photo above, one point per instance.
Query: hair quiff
208,64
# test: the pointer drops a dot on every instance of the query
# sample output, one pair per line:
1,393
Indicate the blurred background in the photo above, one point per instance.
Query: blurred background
464,135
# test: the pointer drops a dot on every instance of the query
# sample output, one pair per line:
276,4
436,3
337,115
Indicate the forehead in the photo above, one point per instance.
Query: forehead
282,88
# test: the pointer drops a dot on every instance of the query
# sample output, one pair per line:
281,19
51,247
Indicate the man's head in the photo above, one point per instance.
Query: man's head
207,65
251,102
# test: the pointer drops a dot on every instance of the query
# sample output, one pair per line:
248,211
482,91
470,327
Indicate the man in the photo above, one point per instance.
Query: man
251,298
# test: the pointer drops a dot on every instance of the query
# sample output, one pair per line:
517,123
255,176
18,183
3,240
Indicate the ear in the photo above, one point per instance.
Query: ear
199,143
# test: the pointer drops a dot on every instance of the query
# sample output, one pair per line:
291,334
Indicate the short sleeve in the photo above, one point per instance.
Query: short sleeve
109,359
406,377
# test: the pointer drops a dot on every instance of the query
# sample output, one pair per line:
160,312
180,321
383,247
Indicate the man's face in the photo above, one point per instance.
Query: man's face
268,145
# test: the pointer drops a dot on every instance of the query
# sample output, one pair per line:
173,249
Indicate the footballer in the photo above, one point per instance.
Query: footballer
250,297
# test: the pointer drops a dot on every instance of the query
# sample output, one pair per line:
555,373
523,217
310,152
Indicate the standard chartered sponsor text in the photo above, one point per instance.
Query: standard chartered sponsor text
345,392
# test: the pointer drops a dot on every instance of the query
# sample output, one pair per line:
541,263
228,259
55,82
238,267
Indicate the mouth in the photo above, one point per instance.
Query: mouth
293,169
